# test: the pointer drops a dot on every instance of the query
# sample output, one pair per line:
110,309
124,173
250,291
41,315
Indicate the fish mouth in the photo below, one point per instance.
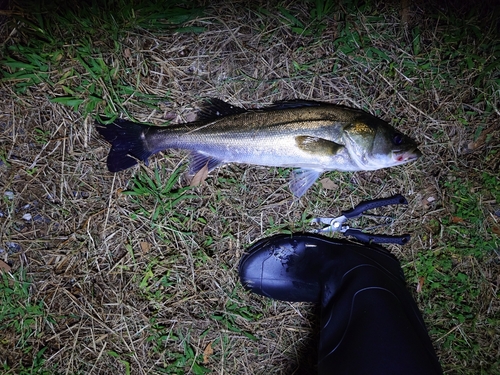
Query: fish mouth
402,157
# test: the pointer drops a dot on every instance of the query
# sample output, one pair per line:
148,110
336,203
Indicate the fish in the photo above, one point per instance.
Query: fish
310,136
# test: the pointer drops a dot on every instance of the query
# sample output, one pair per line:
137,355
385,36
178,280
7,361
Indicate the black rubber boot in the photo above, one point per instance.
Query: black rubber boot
370,323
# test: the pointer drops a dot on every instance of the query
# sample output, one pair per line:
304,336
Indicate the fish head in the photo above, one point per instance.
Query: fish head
374,144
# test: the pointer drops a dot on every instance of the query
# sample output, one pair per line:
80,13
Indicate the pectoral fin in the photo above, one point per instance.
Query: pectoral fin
319,146
302,179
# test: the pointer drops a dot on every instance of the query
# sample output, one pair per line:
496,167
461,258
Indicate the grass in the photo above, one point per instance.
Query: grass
60,33
137,273
21,323
165,197
455,290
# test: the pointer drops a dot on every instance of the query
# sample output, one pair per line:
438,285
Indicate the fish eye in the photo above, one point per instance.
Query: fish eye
397,139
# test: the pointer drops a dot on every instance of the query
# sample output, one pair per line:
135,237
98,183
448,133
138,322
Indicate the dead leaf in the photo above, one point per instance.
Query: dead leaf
145,247
169,116
190,117
427,201
207,353
4,266
420,284
482,139
200,176
328,184
405,7
496,230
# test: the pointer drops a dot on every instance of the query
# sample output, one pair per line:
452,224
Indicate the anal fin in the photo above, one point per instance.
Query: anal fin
198,161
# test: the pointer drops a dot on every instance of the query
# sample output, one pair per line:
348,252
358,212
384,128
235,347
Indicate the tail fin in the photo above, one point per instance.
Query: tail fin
128,144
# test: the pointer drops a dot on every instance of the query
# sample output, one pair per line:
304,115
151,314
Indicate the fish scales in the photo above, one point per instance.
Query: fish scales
249,137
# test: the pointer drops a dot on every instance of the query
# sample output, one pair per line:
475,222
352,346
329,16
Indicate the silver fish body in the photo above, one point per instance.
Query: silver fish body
311,136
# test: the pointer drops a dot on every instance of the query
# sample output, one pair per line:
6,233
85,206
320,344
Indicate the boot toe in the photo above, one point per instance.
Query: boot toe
274,268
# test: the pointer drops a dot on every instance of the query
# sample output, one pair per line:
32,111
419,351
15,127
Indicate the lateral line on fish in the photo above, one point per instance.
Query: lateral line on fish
201,127
274,125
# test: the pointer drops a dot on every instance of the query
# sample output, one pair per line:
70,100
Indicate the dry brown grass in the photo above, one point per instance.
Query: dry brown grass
97,263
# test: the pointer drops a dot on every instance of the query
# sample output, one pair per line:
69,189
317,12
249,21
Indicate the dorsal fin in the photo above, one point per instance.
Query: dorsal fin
214,109
294,103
